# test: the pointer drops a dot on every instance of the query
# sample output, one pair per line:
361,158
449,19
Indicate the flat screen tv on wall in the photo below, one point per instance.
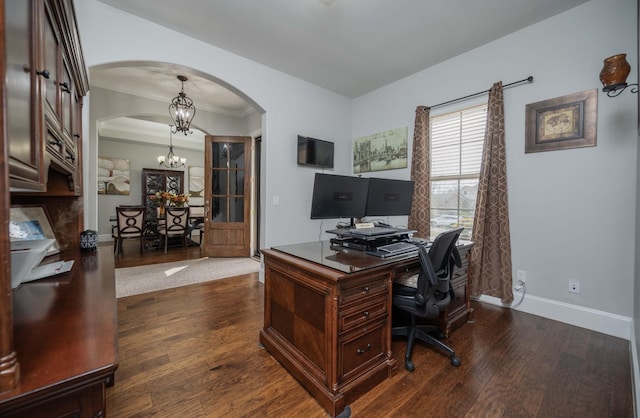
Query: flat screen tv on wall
315,152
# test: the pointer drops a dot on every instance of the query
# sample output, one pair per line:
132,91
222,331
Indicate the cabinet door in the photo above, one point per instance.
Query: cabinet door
156,180
76,137
174,182
51,54
152,182
24,120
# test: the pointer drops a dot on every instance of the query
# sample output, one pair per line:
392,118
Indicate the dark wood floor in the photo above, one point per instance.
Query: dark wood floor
193,352
131,256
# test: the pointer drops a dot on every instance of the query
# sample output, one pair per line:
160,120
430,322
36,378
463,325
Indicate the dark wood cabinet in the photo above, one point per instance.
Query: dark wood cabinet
64,87
58,336
156,180
46,80
24,120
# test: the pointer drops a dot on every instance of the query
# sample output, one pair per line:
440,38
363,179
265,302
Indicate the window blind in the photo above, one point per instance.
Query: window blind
456,142
457,139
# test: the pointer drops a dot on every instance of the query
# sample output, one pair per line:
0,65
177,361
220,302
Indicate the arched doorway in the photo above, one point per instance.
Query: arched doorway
140,92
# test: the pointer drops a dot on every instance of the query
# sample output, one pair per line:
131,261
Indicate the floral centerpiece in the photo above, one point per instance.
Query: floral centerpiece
179,200
170,199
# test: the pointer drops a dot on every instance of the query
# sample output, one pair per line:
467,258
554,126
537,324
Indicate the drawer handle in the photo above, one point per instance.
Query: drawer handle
55,142
44,73
65,87
361,351
366,288
365,314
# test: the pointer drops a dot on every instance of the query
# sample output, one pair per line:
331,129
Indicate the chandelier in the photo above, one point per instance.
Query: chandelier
182,110
171,160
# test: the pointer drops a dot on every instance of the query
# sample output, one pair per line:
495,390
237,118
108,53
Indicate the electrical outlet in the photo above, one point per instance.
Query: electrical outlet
574,286
521,276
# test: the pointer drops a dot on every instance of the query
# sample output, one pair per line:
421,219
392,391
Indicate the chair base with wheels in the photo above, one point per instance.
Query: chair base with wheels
424,333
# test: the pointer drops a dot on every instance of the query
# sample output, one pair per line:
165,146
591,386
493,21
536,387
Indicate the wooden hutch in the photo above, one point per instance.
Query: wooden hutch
58,337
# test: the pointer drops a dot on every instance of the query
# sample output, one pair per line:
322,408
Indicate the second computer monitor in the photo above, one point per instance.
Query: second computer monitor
389,197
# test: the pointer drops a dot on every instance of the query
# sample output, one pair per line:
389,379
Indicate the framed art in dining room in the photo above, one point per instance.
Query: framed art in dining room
562,122
196,181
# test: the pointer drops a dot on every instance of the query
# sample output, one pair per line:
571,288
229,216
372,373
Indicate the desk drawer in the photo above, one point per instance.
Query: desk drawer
369,286
460,301
459,276
405,271
361,314
360,350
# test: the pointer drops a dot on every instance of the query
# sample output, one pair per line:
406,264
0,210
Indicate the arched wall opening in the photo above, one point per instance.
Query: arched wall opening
129,117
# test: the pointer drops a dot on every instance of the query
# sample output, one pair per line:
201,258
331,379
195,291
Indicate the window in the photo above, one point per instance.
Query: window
456,153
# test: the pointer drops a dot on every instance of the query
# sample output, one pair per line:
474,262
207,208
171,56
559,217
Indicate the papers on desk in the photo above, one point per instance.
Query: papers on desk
48,270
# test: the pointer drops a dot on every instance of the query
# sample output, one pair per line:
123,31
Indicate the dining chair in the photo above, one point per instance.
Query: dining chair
130,224
196,220
176,223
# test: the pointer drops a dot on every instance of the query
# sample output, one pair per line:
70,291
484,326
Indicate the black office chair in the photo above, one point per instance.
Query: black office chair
432,294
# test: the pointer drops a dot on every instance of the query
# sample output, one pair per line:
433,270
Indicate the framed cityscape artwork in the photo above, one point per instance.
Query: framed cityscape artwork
381,151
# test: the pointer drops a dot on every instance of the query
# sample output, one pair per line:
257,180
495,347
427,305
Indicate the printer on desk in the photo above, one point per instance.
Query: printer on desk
26,255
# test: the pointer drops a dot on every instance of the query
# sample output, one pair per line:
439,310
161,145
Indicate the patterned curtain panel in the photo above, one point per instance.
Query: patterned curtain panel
490,260
420,218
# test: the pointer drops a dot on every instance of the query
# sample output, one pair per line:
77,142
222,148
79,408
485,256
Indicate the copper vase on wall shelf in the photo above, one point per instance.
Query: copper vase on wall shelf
614,73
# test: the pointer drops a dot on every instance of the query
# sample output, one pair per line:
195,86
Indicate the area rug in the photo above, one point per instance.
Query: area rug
143,279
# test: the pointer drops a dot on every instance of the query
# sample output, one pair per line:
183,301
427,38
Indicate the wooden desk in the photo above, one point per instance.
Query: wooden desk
65,335
327,317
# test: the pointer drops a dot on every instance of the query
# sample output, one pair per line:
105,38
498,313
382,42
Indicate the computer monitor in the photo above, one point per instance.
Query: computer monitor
336,196
387,197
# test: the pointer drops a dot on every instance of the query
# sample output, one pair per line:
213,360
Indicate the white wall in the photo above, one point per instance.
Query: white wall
572,212
291,107
140,156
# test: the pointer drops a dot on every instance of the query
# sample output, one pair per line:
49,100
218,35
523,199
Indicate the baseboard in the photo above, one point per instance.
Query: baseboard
105,237
635,369
599,321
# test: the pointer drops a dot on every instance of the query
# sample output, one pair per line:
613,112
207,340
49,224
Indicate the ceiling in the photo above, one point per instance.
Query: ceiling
350,47
160,82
